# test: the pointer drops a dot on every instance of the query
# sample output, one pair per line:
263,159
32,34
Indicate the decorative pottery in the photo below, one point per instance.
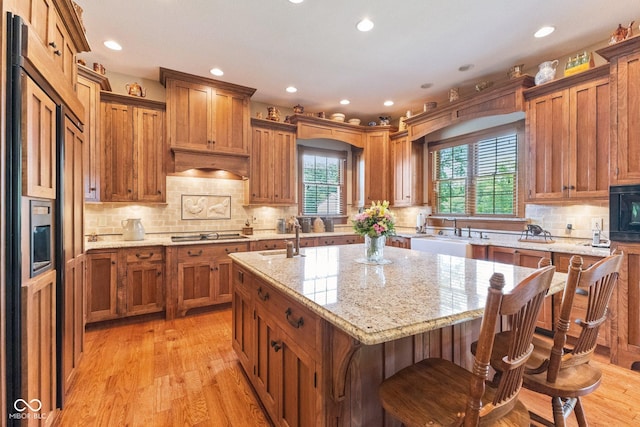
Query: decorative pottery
132,229
546,72
454,94
430,105
134,89
273,114
298,109
515,71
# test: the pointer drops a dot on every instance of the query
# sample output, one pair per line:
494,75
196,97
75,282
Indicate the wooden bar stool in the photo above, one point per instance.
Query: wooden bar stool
563,372
438,392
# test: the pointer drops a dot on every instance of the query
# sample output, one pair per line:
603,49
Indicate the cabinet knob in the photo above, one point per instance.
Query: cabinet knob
92,189
159,192
57,52
276,345
53,44
263,296
130,190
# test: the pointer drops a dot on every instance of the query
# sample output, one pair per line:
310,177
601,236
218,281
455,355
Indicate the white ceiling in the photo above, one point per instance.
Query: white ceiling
272,44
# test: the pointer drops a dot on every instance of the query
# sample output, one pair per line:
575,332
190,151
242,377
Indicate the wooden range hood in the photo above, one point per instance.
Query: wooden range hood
189,158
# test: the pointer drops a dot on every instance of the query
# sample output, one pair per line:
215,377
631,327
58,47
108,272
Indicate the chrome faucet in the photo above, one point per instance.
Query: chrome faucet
468,231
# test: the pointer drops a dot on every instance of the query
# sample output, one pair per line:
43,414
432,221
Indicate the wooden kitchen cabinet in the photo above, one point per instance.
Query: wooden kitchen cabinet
102,285
624,58
133,163
626,318
143,280
376,166
569,141
88,91
399,242
273,164
280,355
39,357
206,114
39,134
408,170
339,240
204,275
73,319
526,258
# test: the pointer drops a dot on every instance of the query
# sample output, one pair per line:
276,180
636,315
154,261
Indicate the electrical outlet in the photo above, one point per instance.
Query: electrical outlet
596,223
571,222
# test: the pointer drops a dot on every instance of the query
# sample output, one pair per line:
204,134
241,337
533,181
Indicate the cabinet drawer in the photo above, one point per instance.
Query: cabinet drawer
208,251
562,261
297,321
146,254
269,244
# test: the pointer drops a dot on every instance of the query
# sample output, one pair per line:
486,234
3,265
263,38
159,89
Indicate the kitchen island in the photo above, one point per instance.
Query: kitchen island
316,334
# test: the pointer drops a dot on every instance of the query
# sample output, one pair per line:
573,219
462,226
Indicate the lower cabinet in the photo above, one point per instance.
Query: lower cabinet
526,258
204,275
399,242
124,283
73,323
277,341
39,346
339,240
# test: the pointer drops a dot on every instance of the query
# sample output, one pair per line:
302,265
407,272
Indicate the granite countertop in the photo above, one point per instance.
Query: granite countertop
414,293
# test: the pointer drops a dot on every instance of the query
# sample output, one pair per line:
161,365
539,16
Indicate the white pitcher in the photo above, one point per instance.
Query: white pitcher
546,72
132,229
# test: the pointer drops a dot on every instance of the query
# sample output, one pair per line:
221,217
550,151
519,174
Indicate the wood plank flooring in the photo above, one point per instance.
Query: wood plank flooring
184,373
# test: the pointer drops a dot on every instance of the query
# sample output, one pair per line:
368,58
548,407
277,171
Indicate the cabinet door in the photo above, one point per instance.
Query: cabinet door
150,174
89,95
376,167
190,115
263,172
627,312
268,363
284,169
73,217
548,123
119,156
102,283
626,150
242,321
407,172
589,139
298,396
223,283
39,342
196,281
63,50
145,287
38,142
230,123
73,319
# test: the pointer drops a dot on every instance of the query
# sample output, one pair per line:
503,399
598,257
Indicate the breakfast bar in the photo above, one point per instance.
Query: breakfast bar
316,334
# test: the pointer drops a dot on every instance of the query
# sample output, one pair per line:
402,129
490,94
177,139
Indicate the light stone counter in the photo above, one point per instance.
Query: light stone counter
416,292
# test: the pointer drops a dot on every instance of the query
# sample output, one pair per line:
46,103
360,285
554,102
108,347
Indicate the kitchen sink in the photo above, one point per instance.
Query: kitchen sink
440,245
208,236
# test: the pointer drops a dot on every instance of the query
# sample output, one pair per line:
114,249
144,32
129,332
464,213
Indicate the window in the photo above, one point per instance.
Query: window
322,188
477,175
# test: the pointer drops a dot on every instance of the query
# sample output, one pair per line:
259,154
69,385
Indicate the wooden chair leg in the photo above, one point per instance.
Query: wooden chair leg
558,411
580,416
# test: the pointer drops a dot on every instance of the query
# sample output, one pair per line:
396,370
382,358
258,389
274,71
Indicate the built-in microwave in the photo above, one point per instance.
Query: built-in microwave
41,236
624,213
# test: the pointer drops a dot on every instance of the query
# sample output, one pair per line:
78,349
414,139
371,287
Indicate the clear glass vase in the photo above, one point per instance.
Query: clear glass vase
374,248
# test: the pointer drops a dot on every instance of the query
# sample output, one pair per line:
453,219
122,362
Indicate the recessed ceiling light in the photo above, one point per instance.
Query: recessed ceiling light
426,85
345,102
365,25
544,31
113,45
465,67
296,1
291,89
388,103
216,72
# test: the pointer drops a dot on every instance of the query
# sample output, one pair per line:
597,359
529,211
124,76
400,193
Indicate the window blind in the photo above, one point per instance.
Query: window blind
323,182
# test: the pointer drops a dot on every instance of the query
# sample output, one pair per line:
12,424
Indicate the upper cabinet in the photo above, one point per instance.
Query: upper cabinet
273,164
88,90
376,166
407,177
624,60
204,117
133,149
568,137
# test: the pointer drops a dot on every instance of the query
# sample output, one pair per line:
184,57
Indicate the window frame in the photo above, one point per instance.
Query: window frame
516,128
323,152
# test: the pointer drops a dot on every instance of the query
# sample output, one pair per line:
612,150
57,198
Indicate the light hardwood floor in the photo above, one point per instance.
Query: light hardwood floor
184,373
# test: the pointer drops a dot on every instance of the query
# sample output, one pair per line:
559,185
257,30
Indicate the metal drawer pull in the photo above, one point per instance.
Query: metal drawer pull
262,296
276,345
295,323
140,256
194,253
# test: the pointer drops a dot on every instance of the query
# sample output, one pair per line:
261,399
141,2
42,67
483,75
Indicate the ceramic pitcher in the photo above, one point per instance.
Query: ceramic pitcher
546,72
132,229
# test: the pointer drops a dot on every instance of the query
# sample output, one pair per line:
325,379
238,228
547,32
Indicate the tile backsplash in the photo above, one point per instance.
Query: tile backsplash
106,218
